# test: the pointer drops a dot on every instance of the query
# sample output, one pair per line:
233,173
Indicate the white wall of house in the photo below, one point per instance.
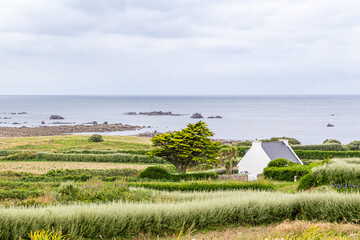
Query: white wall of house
254,161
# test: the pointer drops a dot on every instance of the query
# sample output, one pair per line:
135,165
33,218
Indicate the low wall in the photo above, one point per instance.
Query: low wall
237,177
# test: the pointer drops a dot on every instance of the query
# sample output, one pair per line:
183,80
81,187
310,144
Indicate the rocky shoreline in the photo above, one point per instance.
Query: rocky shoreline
64,129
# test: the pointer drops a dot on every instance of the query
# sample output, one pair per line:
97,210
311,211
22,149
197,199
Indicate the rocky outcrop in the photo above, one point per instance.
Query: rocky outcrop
42,122
65,123
159,113
64,129
330,125
197,115
130,113
22,113
217,116
56,117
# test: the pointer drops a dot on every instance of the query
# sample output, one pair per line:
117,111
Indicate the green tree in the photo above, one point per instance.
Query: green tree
228,158
187,147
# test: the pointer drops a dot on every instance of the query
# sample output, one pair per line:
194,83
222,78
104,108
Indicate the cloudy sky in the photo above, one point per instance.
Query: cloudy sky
179,47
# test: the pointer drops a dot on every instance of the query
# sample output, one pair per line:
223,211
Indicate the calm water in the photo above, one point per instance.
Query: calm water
247,117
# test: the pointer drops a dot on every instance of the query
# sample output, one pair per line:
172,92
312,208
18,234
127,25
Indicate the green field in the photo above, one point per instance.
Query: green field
96,191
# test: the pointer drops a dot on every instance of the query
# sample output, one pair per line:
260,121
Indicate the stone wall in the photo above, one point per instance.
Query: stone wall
236,177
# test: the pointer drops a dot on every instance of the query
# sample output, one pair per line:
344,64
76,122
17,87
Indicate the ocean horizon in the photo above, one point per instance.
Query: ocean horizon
245,117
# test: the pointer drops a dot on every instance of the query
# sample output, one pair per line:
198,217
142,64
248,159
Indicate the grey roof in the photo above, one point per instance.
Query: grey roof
277,150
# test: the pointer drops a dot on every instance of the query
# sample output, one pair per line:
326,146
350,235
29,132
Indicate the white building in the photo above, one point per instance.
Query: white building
261,153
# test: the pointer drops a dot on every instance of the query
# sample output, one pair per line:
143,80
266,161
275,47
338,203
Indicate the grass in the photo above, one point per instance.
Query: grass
43,167
200,211
73,142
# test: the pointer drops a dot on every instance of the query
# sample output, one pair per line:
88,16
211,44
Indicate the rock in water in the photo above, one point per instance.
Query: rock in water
215,117
130,113
197,115
330,125
56,117
42,122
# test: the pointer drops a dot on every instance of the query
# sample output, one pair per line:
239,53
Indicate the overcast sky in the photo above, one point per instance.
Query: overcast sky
179,47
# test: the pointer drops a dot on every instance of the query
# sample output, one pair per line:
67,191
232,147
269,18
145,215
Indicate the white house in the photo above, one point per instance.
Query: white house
261,153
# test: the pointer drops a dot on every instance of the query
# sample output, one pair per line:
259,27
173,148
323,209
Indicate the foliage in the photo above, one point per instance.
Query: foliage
159,173
228,158
332,141
136,152
292,141
21,156
320,147
155,173
305,154
286,173
188,147
115,158
280,162
47,235
337,171
354,146
204,186
203,211
96,138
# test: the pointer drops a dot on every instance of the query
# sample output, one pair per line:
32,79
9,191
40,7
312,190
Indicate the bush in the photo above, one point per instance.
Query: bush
116,158
203,186
95,138
332,141
304,154
292,141
155,173
21,156
320,147
286,173
160,173
354,146
280,162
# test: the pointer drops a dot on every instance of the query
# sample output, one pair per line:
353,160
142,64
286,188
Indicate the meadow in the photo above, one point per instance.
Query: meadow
103,191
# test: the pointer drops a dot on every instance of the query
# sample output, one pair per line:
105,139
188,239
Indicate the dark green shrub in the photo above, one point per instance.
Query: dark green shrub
305,154
354,146
332,141
320,147
280,162
195,176
21,156
155,173
95,138
286,173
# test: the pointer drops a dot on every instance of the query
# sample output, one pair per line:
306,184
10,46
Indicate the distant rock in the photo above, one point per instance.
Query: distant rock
197,115
22,113
13,113
330,125
332,115
42,122
16,123
105,123
56,117
67,123
130,113
217,116
94,122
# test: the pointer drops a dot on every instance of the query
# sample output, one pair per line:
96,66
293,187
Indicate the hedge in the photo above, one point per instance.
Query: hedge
306,154
320,147
204,186
115,158
286,173
137,152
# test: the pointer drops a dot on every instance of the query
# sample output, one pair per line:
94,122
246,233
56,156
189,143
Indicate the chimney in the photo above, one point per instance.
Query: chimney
286,141
256,143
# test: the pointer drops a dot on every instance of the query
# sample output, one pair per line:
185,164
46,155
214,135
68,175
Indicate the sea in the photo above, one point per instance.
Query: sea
305,118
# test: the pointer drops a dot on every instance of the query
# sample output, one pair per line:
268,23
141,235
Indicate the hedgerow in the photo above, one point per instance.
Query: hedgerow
136,152
218,209
203,186
320,147
115,158
307,154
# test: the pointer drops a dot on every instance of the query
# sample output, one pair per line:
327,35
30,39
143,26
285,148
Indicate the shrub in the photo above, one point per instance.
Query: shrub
116,158
280,162
354,146
155,173
286,173
21,156
320,147
95,138
203,186
292,141
332,141
304,154
136,152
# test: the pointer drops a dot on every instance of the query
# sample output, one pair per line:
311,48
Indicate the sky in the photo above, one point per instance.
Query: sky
179,47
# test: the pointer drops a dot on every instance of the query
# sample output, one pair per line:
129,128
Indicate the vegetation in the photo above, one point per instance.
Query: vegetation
332,141
188,147
292,141
229,158
200,211
96,138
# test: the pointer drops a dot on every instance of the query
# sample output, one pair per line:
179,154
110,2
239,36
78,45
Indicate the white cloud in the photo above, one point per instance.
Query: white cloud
260,47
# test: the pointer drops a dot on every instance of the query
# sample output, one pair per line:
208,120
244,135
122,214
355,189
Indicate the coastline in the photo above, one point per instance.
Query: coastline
64,129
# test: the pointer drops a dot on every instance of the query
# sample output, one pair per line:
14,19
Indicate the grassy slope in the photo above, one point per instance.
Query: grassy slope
73,142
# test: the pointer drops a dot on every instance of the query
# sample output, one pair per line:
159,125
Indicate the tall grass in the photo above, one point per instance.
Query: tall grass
216,209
